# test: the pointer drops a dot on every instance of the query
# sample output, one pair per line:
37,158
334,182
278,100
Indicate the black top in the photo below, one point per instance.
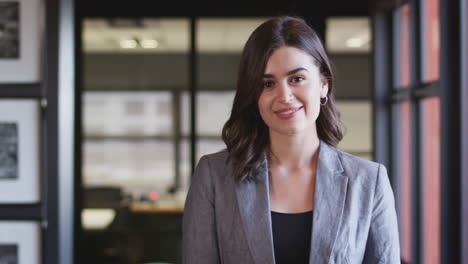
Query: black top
291,237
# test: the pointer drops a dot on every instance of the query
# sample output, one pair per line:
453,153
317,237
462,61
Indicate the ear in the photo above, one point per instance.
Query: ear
324,89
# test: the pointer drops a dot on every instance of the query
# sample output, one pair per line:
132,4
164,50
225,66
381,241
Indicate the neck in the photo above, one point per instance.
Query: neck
293,151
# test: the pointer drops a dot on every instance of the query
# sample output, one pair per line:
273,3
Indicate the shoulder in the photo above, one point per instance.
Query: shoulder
357,168
205,176
211,167
371,176
219,157
215,162
355,163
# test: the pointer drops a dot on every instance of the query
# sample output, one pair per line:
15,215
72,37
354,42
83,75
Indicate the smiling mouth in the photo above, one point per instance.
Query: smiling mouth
288,113
289,110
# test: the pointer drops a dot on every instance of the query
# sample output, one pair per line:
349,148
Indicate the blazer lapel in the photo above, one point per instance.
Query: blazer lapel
254,206
329,200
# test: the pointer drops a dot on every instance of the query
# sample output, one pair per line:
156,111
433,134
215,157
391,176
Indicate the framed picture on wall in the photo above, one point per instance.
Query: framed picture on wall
20,242
19,151
21,30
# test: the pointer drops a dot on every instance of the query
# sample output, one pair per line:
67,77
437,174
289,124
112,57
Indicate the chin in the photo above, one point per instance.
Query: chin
288,131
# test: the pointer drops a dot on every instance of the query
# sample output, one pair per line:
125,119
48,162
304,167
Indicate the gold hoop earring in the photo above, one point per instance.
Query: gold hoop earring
326,100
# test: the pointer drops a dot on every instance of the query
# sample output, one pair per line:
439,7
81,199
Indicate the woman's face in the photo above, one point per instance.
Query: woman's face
292,87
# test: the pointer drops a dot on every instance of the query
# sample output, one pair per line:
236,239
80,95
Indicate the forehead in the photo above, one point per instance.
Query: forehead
288,58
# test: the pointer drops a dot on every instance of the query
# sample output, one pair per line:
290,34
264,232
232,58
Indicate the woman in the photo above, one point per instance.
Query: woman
281,192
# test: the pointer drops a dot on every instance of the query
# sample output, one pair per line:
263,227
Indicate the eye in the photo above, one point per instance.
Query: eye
268,84
297,79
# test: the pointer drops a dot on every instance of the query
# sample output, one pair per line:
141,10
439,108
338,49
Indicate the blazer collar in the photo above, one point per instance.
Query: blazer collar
329,199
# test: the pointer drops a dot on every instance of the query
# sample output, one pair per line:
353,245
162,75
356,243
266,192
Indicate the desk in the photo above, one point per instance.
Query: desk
142,232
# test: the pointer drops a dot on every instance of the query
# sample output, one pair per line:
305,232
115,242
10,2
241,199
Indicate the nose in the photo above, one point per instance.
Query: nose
284,93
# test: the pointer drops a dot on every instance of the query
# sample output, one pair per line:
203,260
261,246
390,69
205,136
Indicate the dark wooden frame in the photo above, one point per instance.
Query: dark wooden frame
464,124
46,212
464,116
449,89
451,136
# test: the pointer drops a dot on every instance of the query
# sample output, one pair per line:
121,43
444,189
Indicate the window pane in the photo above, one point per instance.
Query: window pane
348,35
138,166
127,114
210,123
208,146
134,70
402,174
430,40
357,118
430,111
185,166
401,25
349,46
224,35
213,111
219,45
205,146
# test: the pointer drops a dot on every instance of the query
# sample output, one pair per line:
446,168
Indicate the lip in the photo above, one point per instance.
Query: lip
280,113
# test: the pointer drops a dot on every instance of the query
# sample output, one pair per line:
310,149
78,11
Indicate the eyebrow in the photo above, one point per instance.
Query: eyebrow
288,73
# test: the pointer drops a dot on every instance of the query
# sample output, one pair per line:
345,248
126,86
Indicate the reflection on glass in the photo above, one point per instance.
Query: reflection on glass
401,24
431,40
402,174
430,109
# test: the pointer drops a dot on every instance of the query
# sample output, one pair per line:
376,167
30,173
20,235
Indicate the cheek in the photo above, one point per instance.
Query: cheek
316,105
311,97
264,107
312,101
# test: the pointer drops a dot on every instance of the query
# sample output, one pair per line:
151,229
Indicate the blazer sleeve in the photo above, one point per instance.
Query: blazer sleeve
383,240
199,240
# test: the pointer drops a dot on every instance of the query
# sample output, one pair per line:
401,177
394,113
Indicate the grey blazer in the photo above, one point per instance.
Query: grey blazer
354,218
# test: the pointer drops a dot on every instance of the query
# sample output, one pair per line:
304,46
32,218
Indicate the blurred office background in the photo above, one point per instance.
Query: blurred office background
156,91
137,111
136,92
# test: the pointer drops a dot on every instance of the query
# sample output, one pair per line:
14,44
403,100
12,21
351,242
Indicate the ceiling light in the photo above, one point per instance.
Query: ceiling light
149,43
128,44
354,42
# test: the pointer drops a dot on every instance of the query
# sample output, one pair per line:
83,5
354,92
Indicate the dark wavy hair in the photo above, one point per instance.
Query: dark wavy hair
245,133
